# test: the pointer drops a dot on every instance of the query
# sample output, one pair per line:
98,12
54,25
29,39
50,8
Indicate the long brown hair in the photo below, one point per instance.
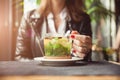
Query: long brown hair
75,9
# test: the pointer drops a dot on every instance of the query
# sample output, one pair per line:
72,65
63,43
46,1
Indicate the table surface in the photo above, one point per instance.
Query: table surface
59,77
8,68
33,70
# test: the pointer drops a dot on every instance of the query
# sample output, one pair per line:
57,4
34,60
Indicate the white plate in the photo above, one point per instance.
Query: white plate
58,62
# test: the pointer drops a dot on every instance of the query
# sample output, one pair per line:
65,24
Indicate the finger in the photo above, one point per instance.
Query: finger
81,55
79,43
83,38
78,54
74,32
80,49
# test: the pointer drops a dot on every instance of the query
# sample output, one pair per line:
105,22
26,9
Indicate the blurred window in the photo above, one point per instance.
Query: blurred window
29,5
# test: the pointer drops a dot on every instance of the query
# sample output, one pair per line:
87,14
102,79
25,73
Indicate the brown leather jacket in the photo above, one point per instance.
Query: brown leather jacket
27,47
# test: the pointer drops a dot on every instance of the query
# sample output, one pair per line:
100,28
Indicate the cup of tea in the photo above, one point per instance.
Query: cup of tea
57,46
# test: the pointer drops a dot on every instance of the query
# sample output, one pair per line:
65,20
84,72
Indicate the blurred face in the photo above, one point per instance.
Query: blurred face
47,5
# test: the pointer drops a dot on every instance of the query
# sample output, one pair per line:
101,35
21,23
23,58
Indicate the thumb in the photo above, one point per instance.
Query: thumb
74,32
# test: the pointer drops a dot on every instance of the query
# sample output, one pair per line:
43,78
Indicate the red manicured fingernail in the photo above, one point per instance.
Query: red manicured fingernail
72,36
74,51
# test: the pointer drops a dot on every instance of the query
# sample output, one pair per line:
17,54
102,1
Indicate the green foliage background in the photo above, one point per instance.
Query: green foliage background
38,2
96,10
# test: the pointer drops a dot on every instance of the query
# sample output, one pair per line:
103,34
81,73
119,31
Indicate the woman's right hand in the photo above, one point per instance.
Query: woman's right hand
81,44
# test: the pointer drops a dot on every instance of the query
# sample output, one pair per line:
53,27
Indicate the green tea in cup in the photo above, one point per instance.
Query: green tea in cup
57,47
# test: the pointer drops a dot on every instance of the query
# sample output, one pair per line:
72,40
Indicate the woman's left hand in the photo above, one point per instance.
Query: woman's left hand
81,44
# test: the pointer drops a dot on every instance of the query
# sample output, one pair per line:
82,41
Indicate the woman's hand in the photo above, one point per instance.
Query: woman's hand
81,44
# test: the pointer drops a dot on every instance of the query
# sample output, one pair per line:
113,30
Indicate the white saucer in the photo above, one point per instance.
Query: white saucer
58,62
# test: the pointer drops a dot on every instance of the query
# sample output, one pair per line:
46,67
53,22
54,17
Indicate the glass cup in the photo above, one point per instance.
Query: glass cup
56,46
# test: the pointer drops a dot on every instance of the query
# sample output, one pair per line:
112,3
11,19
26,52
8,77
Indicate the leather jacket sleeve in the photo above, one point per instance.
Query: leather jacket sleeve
84,28
23,45
87,31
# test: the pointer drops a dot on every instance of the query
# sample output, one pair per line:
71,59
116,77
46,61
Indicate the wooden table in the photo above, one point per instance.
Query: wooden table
33,70
59,77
